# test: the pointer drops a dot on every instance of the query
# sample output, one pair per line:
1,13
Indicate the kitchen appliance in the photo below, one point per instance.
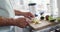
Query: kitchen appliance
32,7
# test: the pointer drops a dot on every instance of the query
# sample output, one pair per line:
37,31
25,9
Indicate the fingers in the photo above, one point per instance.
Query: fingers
28,21
31,15
23,22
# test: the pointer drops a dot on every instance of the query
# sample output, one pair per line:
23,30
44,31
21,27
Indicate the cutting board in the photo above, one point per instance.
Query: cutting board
40,25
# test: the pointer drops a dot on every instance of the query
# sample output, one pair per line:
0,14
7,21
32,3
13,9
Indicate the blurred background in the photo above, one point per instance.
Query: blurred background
48,6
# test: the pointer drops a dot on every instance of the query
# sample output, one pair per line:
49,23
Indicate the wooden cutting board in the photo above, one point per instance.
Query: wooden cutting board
42,25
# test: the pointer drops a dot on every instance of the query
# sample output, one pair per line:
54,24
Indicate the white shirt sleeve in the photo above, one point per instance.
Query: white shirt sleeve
6,9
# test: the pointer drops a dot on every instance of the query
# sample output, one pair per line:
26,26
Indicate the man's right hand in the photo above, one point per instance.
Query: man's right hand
22,22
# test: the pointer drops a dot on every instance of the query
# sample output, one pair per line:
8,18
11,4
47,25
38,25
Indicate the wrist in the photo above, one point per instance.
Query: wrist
15,22
18,13
8,22
12,22
22,13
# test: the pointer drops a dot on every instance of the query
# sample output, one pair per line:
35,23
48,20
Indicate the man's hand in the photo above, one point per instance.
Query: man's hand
28,15
22,22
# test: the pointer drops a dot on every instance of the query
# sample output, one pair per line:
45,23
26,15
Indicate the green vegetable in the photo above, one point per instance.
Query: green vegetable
50,18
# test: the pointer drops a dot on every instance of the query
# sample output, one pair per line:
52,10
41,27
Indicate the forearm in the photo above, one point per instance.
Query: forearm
7,22
18,13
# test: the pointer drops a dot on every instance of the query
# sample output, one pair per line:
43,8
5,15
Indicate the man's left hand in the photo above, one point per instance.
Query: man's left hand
25,14
28,15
